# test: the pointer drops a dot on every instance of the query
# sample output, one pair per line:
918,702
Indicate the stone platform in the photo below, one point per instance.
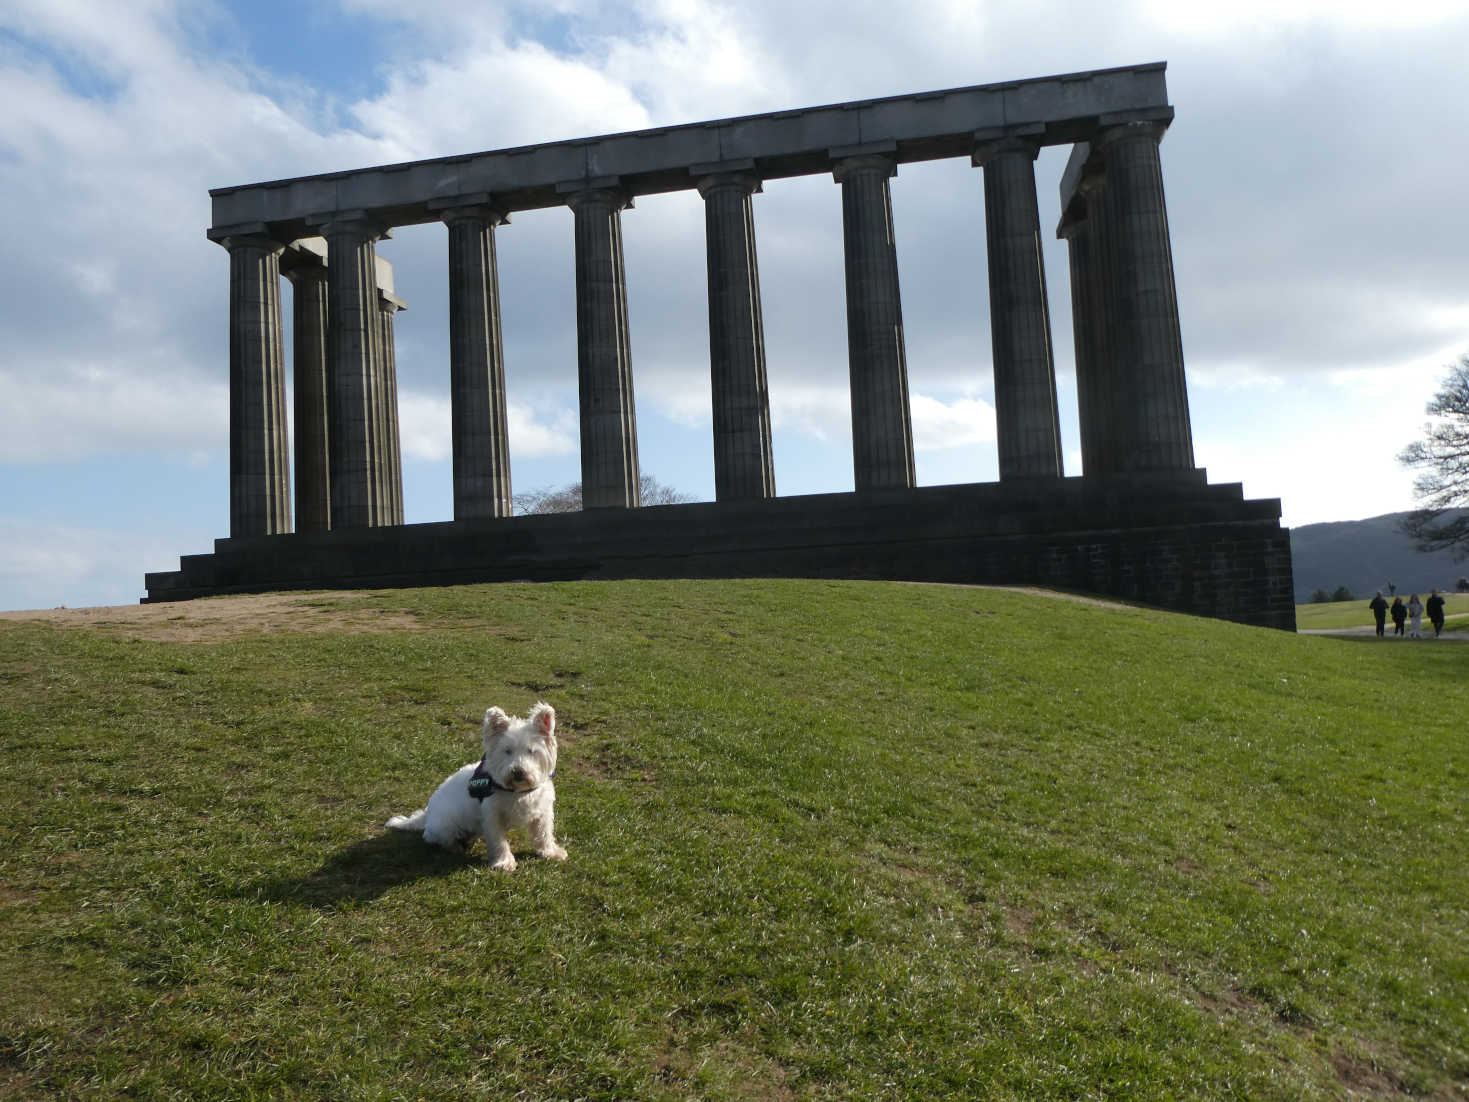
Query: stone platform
1170,540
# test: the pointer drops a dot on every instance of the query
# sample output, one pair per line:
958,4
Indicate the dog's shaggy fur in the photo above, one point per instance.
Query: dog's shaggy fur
520,760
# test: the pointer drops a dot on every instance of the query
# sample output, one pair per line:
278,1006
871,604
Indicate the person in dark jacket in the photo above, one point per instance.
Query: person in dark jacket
1379,612
1399,616
1434,608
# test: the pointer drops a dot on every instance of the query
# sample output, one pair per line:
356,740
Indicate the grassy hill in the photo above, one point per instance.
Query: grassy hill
828,840
1364,556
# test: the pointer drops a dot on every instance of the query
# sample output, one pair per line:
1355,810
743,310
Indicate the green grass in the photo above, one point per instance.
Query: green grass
828,840
1355,614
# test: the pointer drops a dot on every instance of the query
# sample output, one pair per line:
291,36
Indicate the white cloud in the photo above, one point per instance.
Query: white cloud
46,563
1328,481
685,405
534,433
1404,385
493,97
423,425
693,61
116,306
1241,375
824,412
938,425
29,552
69,413
1212,17
424,421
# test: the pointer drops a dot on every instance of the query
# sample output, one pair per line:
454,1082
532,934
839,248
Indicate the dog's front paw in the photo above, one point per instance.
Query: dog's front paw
505,862
553,852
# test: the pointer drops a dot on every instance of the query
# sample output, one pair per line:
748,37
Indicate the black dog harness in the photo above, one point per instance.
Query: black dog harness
481,784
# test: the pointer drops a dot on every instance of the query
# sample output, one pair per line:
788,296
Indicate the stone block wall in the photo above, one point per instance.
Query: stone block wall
1173,542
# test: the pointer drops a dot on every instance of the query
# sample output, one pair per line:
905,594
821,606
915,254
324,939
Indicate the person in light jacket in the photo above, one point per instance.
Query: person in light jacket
1415,617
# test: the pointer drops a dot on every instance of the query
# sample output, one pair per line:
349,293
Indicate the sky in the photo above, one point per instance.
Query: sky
1314,173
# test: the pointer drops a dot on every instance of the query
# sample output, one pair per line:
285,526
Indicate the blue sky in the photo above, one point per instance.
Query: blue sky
1314,173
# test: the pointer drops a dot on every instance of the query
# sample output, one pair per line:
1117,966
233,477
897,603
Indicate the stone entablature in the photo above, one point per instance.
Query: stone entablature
1055,110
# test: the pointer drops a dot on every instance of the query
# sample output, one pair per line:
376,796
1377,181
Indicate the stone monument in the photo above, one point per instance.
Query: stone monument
1140,522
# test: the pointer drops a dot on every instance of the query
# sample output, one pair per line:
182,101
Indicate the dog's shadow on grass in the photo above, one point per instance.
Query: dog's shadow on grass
362,872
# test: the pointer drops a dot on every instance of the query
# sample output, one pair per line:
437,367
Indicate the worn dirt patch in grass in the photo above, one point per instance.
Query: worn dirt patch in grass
1362,1076
212,619
1038,591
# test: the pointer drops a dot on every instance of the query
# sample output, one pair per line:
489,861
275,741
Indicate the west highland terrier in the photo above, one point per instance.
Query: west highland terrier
508,789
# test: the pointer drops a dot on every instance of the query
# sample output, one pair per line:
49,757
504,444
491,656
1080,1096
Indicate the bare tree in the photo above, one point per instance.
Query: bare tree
567,499
1443,458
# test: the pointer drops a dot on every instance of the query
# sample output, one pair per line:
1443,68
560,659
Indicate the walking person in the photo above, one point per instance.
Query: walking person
1399,616
1435,613
1379,612
1415,617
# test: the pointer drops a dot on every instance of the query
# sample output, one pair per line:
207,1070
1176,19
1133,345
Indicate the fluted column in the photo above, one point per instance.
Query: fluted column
1081,250
1027,420
1149,347
481,440
743,463
390,441
1102,399
354,375
882,433
309,369
609,435
260,490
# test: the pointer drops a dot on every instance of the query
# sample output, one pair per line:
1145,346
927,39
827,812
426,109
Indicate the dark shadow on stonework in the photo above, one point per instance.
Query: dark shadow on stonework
362,871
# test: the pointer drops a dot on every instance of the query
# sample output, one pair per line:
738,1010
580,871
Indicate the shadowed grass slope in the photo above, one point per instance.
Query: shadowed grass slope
828,840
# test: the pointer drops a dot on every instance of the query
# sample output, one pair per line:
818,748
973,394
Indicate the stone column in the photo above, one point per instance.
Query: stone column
609,433
1102,400
307,273
1081,250
354,372
260,491
481,438
882,433
1144,300
743,463
391,446
1026,416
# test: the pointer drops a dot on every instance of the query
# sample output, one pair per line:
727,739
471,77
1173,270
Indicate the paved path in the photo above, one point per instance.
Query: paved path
1360,633
1371,629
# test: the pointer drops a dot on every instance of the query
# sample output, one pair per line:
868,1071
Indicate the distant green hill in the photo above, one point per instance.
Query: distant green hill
1364,556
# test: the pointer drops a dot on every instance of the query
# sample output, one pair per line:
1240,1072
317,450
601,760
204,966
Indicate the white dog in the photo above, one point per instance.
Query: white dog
508,789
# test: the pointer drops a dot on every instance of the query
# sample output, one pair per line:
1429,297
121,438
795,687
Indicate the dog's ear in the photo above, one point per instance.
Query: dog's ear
543,720
496,723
